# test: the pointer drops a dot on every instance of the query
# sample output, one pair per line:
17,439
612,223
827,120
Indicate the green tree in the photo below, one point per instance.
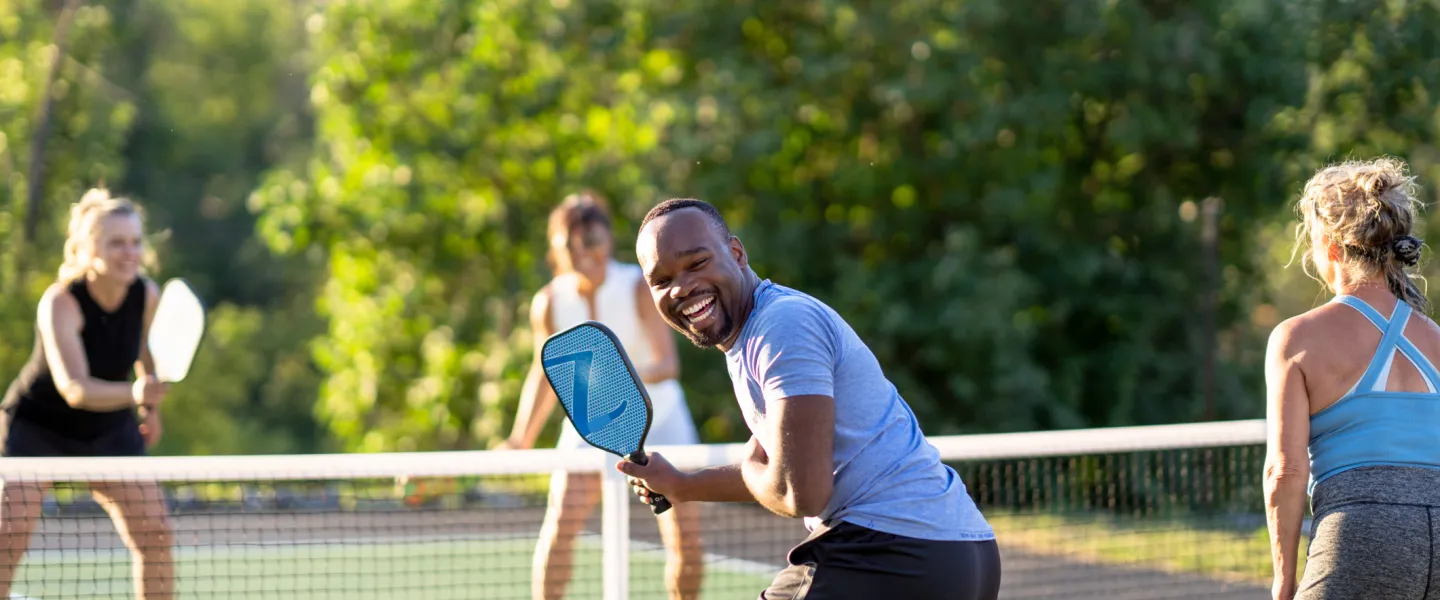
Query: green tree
1002,202
241,396
221,89
1010,206
87,128
445,132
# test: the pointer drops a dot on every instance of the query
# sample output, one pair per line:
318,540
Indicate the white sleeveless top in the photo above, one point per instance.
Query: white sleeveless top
616,307
615,303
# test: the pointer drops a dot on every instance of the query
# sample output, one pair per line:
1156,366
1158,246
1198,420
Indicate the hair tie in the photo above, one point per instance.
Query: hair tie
1407,249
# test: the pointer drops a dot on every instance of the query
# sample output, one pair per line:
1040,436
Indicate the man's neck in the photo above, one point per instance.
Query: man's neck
746,306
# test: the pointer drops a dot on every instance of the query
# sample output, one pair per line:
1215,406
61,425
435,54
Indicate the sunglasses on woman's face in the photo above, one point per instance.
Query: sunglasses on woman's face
593,238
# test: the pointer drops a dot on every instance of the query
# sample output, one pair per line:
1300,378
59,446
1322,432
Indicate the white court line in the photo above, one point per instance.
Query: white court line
748,567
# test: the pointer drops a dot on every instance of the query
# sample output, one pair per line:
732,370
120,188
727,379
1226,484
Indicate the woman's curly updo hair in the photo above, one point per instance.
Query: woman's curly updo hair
1368,209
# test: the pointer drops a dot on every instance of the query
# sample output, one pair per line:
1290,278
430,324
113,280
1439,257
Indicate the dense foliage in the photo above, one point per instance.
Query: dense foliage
1070,215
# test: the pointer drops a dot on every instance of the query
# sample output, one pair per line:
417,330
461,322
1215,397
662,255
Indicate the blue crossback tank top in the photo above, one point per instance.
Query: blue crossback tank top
1371,426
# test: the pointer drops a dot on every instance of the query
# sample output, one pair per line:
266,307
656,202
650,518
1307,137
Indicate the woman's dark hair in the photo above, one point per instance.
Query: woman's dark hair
577,212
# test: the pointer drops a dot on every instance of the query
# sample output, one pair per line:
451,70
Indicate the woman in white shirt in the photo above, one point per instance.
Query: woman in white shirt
589,284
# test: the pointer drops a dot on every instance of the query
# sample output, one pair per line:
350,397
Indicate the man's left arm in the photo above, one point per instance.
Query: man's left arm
794,363
797,475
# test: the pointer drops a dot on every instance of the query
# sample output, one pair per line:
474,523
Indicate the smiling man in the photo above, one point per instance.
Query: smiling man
831,439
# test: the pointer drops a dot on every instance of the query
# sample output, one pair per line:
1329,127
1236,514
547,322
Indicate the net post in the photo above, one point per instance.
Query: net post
615,533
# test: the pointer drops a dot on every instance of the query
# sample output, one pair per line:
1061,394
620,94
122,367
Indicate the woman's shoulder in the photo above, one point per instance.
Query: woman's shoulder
1312,326
626,269
544,295
58,304
59,294
540,307
152,289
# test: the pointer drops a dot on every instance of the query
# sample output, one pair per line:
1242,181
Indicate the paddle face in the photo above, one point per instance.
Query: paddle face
600,392
175,331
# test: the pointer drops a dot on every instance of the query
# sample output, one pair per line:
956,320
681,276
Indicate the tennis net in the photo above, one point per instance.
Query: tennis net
1153,512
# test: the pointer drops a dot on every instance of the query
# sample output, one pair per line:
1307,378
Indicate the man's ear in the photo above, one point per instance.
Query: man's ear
737,251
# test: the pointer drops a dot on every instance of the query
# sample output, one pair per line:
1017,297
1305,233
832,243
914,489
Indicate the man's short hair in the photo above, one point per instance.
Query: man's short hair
674,204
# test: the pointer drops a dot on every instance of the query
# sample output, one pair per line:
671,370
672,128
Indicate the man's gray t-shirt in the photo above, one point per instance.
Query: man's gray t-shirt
887,476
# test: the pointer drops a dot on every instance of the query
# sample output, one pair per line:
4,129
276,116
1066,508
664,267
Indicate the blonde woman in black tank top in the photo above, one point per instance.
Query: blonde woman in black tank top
76,397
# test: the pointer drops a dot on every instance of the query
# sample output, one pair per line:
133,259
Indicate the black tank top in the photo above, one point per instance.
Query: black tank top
112,345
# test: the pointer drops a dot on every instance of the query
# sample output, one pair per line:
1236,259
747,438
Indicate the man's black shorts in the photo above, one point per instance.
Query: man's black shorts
849,561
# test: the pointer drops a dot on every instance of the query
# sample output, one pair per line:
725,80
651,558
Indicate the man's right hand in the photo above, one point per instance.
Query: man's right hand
149,391
656,476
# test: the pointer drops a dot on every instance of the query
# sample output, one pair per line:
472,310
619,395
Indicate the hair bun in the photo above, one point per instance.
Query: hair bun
1375,183
1407,249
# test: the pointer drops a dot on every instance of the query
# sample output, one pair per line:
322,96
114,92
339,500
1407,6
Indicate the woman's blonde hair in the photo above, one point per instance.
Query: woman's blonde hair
1368,210
86,217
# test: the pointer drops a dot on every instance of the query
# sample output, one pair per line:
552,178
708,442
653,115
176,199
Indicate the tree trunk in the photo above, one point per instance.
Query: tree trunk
1210,241
35,177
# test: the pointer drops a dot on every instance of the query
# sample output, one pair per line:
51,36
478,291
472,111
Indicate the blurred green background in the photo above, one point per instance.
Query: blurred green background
1071,214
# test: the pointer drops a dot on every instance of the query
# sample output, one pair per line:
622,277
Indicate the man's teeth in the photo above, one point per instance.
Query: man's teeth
692,310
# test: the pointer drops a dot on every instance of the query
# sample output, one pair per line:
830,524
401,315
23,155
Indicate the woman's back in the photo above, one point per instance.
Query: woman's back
1338,342
1372,386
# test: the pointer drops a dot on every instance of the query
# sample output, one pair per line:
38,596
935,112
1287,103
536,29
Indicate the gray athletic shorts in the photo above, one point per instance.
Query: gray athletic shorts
1375,535
848,561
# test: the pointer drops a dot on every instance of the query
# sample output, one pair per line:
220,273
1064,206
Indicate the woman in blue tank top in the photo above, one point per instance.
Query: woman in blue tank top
1352,402
76,397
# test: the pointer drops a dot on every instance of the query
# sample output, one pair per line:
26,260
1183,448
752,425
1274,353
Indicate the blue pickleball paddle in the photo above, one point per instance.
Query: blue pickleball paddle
601,393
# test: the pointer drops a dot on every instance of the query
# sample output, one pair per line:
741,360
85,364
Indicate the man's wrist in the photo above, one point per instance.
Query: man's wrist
684,489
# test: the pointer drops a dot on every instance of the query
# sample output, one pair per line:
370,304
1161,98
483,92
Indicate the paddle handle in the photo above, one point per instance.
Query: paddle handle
658,504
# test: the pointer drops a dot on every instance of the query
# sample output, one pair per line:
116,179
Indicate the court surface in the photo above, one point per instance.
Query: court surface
486,554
